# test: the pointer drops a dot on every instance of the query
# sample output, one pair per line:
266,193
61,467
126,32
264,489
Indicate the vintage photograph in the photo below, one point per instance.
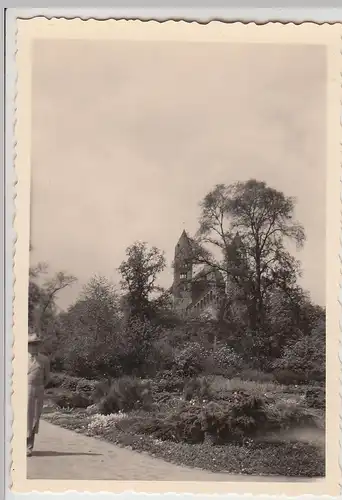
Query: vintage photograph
177,261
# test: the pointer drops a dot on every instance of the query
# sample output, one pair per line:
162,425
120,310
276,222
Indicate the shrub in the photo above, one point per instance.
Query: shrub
305,356
289,377
162,355
167,381
181,425
287,414
224,421
315,397
85,357
189,361
57,362
166,403
68,399
197,388
84,385
197,357
125,394
226,360
70,383
136,351
56,380
101,390
238,417
74,384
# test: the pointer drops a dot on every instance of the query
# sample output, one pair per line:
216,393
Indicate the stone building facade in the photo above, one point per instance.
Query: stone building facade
194,293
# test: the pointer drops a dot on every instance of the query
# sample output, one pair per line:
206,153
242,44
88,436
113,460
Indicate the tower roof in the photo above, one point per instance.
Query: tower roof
183,242
184,235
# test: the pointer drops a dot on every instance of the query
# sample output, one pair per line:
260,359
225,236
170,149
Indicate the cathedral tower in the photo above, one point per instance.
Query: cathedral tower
182,277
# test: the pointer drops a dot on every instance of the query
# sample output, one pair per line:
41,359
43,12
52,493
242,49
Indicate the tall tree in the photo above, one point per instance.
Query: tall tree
139,274
249,223
43,293
98,307
91,329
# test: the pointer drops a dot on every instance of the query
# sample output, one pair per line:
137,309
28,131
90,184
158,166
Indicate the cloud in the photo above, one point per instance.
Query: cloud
128,137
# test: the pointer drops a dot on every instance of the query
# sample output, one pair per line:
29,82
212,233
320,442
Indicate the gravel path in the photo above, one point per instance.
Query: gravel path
63,454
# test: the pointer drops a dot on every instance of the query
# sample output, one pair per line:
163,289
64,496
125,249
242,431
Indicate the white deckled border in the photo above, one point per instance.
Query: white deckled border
214,32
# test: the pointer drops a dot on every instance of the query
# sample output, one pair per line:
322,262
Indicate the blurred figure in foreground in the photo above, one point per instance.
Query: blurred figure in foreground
38,378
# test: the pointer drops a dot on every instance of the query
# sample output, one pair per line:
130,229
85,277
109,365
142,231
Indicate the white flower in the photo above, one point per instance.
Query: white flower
100,422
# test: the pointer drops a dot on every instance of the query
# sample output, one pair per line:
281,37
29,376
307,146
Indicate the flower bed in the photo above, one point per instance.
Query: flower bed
229,431
267,458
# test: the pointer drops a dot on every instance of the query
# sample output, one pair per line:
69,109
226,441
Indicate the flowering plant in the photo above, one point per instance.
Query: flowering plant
99,423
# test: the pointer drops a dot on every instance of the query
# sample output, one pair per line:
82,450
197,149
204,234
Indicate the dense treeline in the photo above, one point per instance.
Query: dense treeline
267,323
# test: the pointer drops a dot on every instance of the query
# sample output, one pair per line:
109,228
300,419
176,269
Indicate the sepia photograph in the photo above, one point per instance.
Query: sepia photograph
176,307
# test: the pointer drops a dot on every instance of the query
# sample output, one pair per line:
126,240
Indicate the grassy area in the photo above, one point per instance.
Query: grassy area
179,425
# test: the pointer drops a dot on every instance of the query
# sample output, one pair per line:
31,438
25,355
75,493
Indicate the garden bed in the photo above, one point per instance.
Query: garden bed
277,452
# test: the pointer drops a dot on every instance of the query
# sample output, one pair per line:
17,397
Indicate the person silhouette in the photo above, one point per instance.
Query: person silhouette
38,377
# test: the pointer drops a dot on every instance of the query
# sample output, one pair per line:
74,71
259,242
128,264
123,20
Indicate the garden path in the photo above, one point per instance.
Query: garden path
64,454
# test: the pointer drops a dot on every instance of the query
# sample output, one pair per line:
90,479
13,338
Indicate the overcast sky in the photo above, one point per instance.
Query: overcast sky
127,138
